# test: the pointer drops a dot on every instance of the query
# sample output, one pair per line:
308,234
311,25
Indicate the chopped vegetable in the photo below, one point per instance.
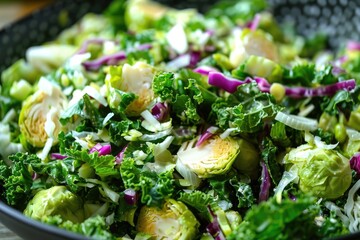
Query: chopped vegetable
149,122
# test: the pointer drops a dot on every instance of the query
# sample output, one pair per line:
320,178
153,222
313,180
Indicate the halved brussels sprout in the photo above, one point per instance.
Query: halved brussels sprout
39,116
173,221
136,79
322,172
56,200
211,158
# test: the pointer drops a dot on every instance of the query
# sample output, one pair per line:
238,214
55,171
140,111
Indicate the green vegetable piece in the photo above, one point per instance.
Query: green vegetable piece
173,221
20,90
247,161
354,120
211,158
327,122
56,200
340,132
322,172
263,67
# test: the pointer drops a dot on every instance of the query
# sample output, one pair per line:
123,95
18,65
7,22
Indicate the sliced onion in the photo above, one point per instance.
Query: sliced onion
94,93
265,183
206,135
323,145
297,122
187,174
227,132
179,62
130,196
101,149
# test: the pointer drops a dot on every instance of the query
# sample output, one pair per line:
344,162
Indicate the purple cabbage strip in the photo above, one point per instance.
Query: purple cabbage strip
160,111
353,46
355,163
253,25
229,84
263,84
57,156
328,90
86,44
299,92
204,136
205,70
130,196
111,59
213,228
101,149
337,70
105,60
120,156
265,183
195,57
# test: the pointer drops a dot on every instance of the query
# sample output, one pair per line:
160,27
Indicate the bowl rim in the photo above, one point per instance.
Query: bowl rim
10,217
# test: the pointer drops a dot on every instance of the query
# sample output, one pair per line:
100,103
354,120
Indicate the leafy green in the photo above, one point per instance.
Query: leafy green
198,200
154,187
269,154
285,220
237,11
188,97
246,110
115,12
94,227
84,109
18,184
104,166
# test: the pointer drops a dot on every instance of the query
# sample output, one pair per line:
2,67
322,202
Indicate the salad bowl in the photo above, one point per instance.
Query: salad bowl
321,24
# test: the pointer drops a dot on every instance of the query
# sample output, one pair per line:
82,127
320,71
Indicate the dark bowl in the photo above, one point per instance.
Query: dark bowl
336,18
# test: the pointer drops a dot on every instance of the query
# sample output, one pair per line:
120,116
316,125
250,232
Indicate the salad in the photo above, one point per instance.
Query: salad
148,122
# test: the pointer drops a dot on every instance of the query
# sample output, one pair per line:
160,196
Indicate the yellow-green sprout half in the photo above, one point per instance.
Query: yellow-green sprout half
322,172
56,200
213,157
173,221
39,116
135,79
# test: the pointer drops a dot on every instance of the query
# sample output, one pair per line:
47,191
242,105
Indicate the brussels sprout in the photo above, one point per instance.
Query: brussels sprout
136,79
39,116
211,158
247,161
173,221
322,172
327,122
54,201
